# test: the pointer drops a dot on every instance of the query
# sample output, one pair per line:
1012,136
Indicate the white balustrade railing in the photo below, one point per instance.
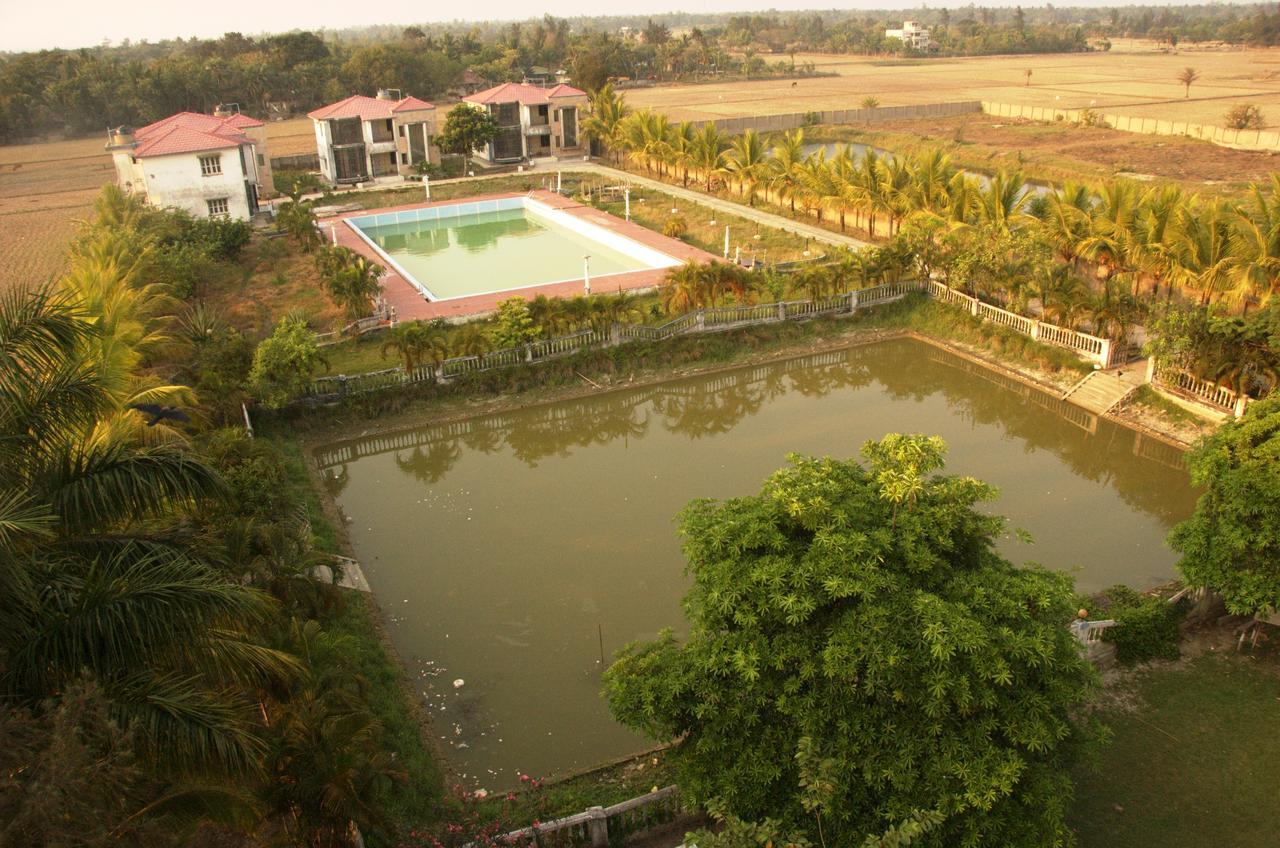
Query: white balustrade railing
1206,391
700,320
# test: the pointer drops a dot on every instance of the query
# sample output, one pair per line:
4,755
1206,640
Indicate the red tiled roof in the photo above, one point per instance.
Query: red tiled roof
367,108
190,132
527,95
412,104
179,139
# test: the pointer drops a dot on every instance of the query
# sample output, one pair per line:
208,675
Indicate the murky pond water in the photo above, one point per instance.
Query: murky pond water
507,550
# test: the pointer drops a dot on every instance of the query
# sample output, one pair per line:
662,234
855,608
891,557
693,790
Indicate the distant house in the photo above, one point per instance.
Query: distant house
206,165
364,138
538,75
912,35
532,121
469,83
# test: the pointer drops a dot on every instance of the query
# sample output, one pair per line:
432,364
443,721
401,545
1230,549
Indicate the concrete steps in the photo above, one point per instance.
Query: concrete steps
1099,391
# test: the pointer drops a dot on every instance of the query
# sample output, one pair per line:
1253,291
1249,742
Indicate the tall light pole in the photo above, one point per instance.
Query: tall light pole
626,195
586,274
726,241
426,185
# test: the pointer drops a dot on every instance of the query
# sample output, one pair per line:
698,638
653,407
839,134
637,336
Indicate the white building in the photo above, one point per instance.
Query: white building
912,35
532,121
206,165
363,138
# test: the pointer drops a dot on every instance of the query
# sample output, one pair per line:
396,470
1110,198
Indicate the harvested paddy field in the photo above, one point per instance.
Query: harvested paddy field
44,189
1060,152
1119,81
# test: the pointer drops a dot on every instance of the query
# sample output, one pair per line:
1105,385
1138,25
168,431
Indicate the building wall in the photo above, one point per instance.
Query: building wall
176,181
324,149
258,135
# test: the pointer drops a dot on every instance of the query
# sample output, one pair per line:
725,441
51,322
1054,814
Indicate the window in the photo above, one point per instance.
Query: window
389,127
211,165
402,130
404,158
261,161
217,206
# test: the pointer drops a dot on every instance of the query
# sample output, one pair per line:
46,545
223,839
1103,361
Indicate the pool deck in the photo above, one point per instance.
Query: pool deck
410,305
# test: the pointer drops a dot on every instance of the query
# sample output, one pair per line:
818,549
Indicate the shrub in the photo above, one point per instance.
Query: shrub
676,227
1146,627
299,182
1244,116
1090,118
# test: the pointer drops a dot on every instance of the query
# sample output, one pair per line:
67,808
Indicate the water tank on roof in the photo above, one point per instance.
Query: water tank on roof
389,94
120,137
226,110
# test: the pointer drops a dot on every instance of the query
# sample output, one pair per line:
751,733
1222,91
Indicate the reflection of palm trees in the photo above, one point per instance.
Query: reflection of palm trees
429,465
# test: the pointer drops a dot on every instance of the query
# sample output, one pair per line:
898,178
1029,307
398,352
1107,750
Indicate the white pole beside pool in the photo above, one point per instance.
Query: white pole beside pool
626,194
333,231
426,185
557,182
586,274
726,241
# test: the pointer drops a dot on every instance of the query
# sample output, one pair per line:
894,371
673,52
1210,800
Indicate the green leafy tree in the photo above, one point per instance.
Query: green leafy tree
467,130
515,325
1231,544
299,221
285,362
861,662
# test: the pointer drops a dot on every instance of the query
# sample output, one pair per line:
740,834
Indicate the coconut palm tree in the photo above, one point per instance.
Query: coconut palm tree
1066,222
93,580
607,111
707,155
1204,253
680,149
931,173
784,166
745,162
470,340
1257,224
416,343
683,289
1002,203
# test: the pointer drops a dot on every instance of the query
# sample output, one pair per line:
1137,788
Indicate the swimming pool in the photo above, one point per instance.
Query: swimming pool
494,245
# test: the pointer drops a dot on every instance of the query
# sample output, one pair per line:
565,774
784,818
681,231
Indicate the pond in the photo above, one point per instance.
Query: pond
510,551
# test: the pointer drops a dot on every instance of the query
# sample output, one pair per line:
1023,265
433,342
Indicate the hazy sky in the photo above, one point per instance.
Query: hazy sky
32,24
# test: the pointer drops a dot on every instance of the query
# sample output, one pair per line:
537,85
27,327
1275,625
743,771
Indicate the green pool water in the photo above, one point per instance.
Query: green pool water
481,252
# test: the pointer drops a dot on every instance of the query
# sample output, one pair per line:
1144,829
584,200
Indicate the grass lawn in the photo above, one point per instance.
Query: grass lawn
1195,759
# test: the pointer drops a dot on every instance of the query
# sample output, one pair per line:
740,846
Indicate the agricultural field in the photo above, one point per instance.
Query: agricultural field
1058,152
44,189
1126,82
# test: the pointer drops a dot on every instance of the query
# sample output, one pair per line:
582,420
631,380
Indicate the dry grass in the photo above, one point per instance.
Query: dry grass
44,189
1132,82
293,137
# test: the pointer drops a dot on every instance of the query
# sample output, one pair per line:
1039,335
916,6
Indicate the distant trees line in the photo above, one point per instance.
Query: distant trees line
81,91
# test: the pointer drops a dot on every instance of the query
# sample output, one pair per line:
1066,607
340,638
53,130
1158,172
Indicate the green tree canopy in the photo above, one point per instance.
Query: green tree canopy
860,660
285,362
1231,544
466,130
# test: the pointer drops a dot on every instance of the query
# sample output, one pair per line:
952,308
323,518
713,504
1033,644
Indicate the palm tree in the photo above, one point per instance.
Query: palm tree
416,342
470,340
681,148
1003,201
1186,76
745,162
350,279
1065,225
93,582
930,176
1204,251
682,289
784,166
607,111
1257,224
707,154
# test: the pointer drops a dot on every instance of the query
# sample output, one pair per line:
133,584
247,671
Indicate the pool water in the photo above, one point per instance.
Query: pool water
478,250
